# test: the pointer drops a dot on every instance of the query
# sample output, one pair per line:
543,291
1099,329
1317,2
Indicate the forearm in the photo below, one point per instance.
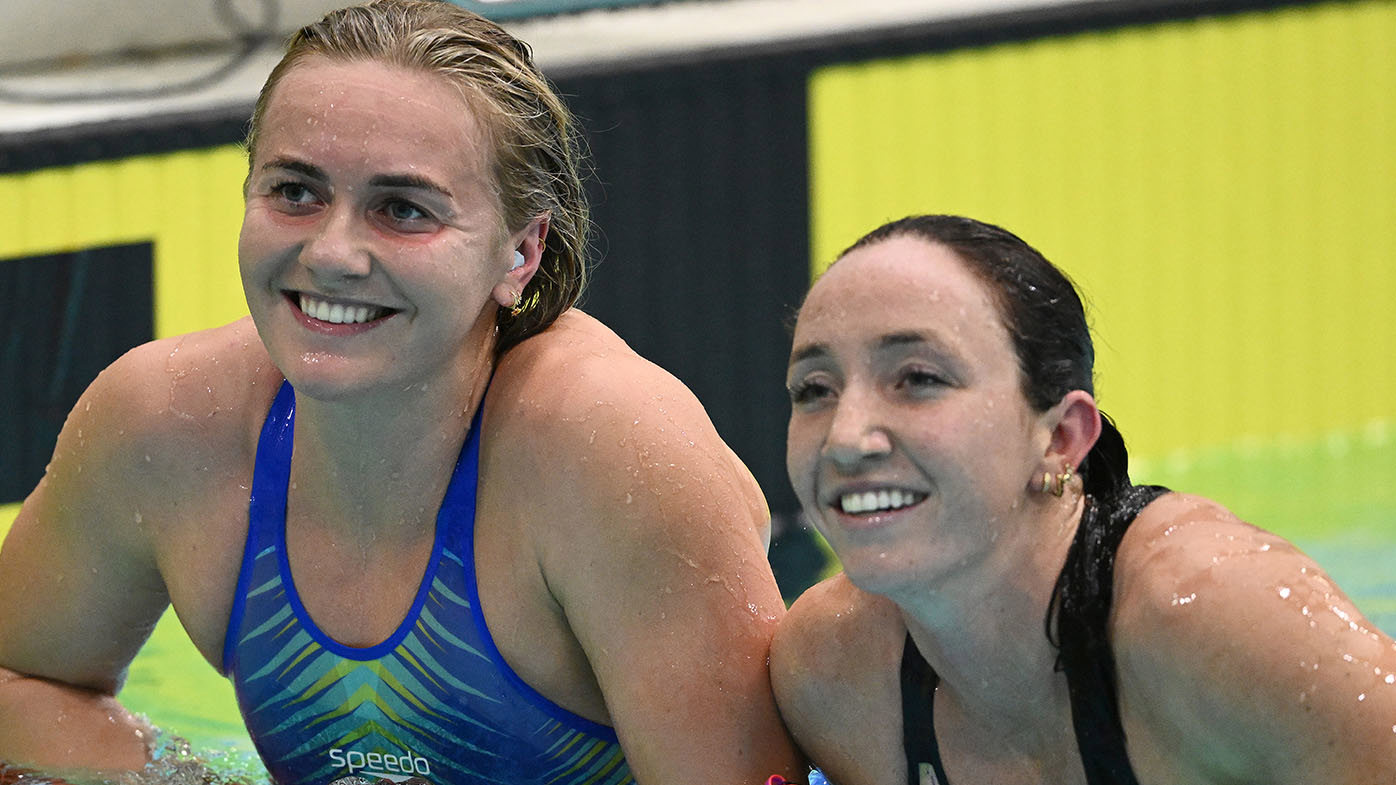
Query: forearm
49,725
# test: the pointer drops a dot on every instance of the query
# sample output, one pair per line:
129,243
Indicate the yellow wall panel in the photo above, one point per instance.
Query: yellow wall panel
188,204
1222,190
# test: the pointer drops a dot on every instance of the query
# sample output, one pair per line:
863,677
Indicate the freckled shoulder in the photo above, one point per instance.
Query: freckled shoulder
835,669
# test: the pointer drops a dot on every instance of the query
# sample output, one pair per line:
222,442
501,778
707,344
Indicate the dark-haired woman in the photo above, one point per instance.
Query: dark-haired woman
945,440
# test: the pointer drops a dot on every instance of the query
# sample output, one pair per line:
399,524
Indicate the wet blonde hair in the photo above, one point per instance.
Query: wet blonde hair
537,153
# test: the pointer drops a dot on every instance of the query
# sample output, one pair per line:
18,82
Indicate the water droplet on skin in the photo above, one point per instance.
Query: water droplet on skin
628,498
1390,678
1362,697
1284,592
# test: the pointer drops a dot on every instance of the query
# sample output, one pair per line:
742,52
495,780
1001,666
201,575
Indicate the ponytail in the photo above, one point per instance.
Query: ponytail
1105,470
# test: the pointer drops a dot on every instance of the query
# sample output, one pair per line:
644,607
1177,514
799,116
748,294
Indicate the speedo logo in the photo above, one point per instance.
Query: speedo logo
384,765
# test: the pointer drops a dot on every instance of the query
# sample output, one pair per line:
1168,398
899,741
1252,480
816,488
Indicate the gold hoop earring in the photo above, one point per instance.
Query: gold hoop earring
1062,480
517,307
1046,482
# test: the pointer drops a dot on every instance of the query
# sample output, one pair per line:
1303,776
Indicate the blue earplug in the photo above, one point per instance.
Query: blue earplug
518,260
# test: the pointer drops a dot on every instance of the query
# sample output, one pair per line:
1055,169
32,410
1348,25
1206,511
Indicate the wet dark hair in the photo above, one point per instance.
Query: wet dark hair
1045,319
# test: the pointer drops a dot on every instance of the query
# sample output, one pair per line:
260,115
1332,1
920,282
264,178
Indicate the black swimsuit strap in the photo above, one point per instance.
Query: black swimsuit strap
1080,610
918,715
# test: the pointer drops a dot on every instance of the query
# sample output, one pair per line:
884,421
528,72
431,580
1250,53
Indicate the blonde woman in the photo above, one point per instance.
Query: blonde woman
430,520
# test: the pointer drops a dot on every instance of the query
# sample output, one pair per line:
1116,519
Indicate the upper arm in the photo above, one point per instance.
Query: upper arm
661,573
79,590
1240,653
834,667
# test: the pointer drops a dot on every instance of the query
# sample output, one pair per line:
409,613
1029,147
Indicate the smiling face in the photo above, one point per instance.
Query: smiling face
911,445
372,249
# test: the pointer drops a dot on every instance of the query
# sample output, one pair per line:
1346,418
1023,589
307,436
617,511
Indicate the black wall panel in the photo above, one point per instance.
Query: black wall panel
699,203
65,318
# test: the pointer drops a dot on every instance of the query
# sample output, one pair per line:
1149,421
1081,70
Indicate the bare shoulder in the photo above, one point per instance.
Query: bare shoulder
645,533
838,632
1205,604
578,393
578,366
1188,562
132,508
161,422
835,665
175,405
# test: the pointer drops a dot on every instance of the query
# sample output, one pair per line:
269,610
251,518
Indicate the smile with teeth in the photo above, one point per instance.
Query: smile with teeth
338,313
881,500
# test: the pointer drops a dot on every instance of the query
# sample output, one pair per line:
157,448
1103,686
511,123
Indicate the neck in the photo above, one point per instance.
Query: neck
381,461
981,629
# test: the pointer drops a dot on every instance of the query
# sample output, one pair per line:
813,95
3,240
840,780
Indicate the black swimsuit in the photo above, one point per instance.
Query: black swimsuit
1081,608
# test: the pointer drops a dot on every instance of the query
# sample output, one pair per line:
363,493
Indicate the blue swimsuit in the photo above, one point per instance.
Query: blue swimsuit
435,700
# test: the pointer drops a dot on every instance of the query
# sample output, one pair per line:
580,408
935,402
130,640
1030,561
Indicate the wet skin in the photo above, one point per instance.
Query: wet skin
914,452
619,543
370,189
891,392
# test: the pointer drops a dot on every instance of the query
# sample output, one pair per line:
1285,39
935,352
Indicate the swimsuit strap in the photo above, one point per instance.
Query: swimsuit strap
918,715
1084,595
1081,610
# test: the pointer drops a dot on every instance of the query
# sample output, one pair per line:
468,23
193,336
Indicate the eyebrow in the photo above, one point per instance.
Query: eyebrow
893,340
413,181
888,341
812,350
291,164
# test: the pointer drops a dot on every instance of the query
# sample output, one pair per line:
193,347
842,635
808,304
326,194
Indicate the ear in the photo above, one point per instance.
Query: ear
528,243
1073,427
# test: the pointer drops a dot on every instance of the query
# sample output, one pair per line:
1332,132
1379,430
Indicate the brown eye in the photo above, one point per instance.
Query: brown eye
806,392
922,380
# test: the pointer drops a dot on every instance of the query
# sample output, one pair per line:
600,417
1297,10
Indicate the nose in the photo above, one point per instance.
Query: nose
857,434
335,249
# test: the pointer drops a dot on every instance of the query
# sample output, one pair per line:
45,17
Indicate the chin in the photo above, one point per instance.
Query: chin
327,377
885,572
896,572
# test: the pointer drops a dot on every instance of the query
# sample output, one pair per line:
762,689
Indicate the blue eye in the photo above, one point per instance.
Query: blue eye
293,192
399,210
